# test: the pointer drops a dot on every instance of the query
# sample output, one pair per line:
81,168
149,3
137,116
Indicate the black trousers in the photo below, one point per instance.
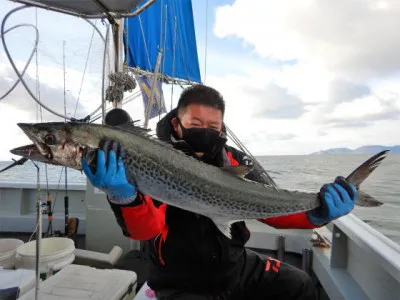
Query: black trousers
262,278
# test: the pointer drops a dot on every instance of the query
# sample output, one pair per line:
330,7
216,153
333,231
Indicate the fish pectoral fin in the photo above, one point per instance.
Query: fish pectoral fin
224,226
239,171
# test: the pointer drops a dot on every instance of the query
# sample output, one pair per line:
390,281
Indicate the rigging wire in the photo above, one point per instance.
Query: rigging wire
30,56
126,101
206,47
258,169
20,75
84,71
173,61
160,101
40,112
181,47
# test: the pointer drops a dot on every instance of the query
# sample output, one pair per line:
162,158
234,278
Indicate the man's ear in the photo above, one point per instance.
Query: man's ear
175,123
223,129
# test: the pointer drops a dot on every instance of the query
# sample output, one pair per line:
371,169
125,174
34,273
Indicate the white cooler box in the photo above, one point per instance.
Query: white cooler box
83,282
14,282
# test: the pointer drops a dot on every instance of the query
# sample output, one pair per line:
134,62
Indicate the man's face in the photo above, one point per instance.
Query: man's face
199,116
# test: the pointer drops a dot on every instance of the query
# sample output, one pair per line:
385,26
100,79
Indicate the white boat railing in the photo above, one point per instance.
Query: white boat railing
18,205
362,263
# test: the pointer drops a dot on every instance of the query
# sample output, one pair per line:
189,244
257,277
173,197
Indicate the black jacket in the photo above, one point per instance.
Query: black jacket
196,254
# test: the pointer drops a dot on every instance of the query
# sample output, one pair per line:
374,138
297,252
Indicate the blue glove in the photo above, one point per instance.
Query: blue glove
337,200
111,178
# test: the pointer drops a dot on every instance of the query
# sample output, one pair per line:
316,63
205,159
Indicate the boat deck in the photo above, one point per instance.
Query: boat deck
359,262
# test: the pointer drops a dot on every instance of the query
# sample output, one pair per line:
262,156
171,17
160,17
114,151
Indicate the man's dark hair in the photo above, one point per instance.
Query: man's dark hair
203,95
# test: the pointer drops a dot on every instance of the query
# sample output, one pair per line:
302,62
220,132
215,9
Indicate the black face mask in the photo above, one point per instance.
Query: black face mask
206,140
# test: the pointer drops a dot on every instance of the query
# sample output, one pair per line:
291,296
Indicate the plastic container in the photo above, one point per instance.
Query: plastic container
8,249
83,282
55,253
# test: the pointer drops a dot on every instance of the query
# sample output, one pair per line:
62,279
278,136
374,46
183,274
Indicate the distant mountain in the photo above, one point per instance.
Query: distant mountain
334,151
369,149
376,148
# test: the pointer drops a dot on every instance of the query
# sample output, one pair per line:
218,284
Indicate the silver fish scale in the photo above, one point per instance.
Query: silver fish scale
206,190
172,177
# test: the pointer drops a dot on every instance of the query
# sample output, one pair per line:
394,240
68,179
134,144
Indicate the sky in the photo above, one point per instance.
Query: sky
297,77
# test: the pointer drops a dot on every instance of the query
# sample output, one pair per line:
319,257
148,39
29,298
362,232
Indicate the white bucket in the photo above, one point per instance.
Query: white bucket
8,248
55,253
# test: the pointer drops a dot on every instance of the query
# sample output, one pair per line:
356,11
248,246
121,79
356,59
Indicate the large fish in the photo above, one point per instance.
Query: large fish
172,177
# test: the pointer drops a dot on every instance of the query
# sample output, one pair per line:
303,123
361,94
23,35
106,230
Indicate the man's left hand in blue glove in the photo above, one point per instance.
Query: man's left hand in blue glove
337,200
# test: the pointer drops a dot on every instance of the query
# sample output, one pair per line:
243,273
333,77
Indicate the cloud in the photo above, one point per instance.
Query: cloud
275,102
346,123
297,76
51,96
322,133
354,39
283,137
364,112
342,90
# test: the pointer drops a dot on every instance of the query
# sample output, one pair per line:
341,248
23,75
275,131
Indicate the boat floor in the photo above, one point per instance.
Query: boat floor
137,261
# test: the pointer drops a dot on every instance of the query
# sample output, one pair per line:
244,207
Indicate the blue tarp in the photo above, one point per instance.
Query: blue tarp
155,28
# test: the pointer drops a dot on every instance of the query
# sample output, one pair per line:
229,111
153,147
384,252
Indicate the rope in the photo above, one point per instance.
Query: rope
120,82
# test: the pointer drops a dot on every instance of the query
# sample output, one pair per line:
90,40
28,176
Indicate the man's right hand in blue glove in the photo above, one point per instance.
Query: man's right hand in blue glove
111,178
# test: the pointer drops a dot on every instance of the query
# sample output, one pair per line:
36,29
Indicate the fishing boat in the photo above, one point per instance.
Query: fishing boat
154,45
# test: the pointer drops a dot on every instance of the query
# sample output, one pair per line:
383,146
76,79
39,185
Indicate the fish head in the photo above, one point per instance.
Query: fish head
59,143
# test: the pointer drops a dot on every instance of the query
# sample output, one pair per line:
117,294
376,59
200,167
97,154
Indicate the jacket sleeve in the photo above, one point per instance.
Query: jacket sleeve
142,219
292,221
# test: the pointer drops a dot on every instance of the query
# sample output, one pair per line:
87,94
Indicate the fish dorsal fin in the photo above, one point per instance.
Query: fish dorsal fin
138,130
130,126
239,171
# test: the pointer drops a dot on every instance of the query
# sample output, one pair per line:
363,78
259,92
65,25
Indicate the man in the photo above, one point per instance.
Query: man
190,258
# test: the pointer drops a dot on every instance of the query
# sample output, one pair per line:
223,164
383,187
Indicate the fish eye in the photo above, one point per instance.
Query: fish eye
50,139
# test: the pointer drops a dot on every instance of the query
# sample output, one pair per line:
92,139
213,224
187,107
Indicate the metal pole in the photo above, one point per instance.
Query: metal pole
66,214
280,246
38,233
103,96
117,31
306,263
115,15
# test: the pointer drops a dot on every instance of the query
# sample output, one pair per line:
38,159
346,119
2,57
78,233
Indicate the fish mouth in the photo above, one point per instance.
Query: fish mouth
26,151
31,152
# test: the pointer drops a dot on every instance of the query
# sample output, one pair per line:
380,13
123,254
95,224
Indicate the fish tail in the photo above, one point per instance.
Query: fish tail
362,173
